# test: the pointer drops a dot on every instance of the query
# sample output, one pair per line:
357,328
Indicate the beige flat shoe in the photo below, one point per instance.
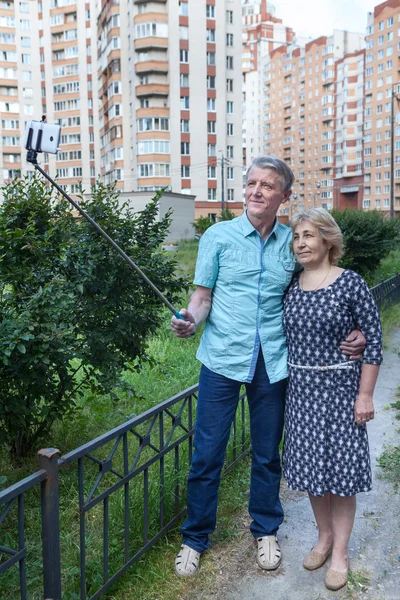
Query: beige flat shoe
187,563
269,554
314,560
334,580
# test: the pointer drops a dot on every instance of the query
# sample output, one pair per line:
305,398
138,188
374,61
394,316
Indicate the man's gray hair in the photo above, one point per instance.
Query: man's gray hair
270,161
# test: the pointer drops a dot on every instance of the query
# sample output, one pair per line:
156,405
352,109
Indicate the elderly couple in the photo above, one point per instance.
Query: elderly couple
277,306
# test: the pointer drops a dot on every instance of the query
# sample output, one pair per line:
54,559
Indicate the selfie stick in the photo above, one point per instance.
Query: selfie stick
32,158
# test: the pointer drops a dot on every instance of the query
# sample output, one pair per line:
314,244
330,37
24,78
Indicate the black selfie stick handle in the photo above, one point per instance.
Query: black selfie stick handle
32,158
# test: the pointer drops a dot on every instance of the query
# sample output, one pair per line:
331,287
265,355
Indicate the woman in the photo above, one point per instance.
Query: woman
329,397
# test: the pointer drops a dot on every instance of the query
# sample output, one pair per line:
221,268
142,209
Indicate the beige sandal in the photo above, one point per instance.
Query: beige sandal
314,560
187,562
334,580
269,554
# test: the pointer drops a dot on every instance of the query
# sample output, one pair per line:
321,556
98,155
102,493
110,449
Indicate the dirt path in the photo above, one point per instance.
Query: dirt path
374,545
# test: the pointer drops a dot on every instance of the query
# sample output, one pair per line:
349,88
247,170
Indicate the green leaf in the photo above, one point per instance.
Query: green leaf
21,348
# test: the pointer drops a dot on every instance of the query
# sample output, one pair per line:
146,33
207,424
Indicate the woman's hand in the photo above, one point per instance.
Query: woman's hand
363,408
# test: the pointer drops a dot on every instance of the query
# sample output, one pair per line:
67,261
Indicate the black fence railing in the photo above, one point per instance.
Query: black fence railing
133,476
387,292
130,490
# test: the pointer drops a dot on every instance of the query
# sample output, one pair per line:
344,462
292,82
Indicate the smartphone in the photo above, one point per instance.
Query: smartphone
42,137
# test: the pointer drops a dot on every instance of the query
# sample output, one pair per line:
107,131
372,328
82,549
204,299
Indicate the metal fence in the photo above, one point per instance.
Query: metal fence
387,292
149,456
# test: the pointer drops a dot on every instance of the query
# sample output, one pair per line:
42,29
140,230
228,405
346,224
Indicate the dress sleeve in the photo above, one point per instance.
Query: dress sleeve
367,319
207,265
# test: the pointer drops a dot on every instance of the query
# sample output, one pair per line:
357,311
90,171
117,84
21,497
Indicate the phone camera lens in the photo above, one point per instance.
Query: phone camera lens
51,138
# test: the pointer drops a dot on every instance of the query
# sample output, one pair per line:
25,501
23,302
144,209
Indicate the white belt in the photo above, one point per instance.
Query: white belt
337,367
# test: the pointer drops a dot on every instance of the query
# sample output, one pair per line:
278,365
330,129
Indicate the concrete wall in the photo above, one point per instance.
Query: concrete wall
181,204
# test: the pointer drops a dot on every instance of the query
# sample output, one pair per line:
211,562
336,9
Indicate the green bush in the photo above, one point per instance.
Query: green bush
73,314
201,224
369,236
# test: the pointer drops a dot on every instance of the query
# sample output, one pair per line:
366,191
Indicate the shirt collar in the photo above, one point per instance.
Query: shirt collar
248,228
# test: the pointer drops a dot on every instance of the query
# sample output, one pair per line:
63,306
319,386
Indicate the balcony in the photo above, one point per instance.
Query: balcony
146,1
146,43
152,89
151,66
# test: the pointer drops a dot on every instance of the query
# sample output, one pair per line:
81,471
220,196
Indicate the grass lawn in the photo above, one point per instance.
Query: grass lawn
152,578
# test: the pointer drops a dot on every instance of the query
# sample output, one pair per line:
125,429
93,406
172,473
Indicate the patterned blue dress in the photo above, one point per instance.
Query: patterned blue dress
324,450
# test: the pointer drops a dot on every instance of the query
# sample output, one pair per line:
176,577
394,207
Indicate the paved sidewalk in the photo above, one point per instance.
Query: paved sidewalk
374,545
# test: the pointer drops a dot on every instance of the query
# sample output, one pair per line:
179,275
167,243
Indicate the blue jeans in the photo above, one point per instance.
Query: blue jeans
217,402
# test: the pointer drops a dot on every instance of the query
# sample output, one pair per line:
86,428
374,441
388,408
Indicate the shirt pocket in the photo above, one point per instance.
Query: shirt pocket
236,261
280,269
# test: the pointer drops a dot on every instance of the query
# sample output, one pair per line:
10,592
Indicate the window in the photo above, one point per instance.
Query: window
147,147
212,172
183,9
211,126
229,16
184,56
211,150
185,148
183,32
229,39
230,173
390,21
211,82
153,124
230,194
211,194
381,26
229,151
26,59
210,35
366,203
184,80
184,126
185,102
229,85
229,129
211,104
185,171
210,11
229,62
211,58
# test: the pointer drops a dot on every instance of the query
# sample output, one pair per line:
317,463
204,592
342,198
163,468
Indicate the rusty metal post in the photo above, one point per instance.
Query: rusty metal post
48,459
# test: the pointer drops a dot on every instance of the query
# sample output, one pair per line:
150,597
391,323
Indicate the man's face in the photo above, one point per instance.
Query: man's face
264,193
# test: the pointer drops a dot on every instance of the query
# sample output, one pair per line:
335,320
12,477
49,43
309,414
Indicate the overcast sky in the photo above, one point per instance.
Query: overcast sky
312,18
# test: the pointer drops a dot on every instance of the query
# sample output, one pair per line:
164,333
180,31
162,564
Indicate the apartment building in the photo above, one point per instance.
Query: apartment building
262,31
348,140
165,110
300,114
382,88
47,60
20,87
173,116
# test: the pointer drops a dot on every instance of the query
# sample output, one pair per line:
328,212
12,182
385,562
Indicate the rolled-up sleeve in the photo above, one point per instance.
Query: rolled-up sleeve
207,264
368,321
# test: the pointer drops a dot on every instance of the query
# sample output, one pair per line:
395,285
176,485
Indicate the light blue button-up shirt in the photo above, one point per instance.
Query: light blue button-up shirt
248,277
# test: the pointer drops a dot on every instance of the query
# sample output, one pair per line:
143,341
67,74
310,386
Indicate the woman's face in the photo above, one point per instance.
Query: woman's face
309,247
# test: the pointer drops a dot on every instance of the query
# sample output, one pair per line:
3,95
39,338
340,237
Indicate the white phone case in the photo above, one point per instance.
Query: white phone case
50,136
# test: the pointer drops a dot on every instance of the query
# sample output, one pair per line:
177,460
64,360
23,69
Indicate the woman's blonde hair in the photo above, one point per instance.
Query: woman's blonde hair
327,227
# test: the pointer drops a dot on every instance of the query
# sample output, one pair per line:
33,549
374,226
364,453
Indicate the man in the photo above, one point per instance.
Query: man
242,271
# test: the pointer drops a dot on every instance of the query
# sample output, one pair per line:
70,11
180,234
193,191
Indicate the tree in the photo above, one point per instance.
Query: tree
201,224
369,236
73,315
